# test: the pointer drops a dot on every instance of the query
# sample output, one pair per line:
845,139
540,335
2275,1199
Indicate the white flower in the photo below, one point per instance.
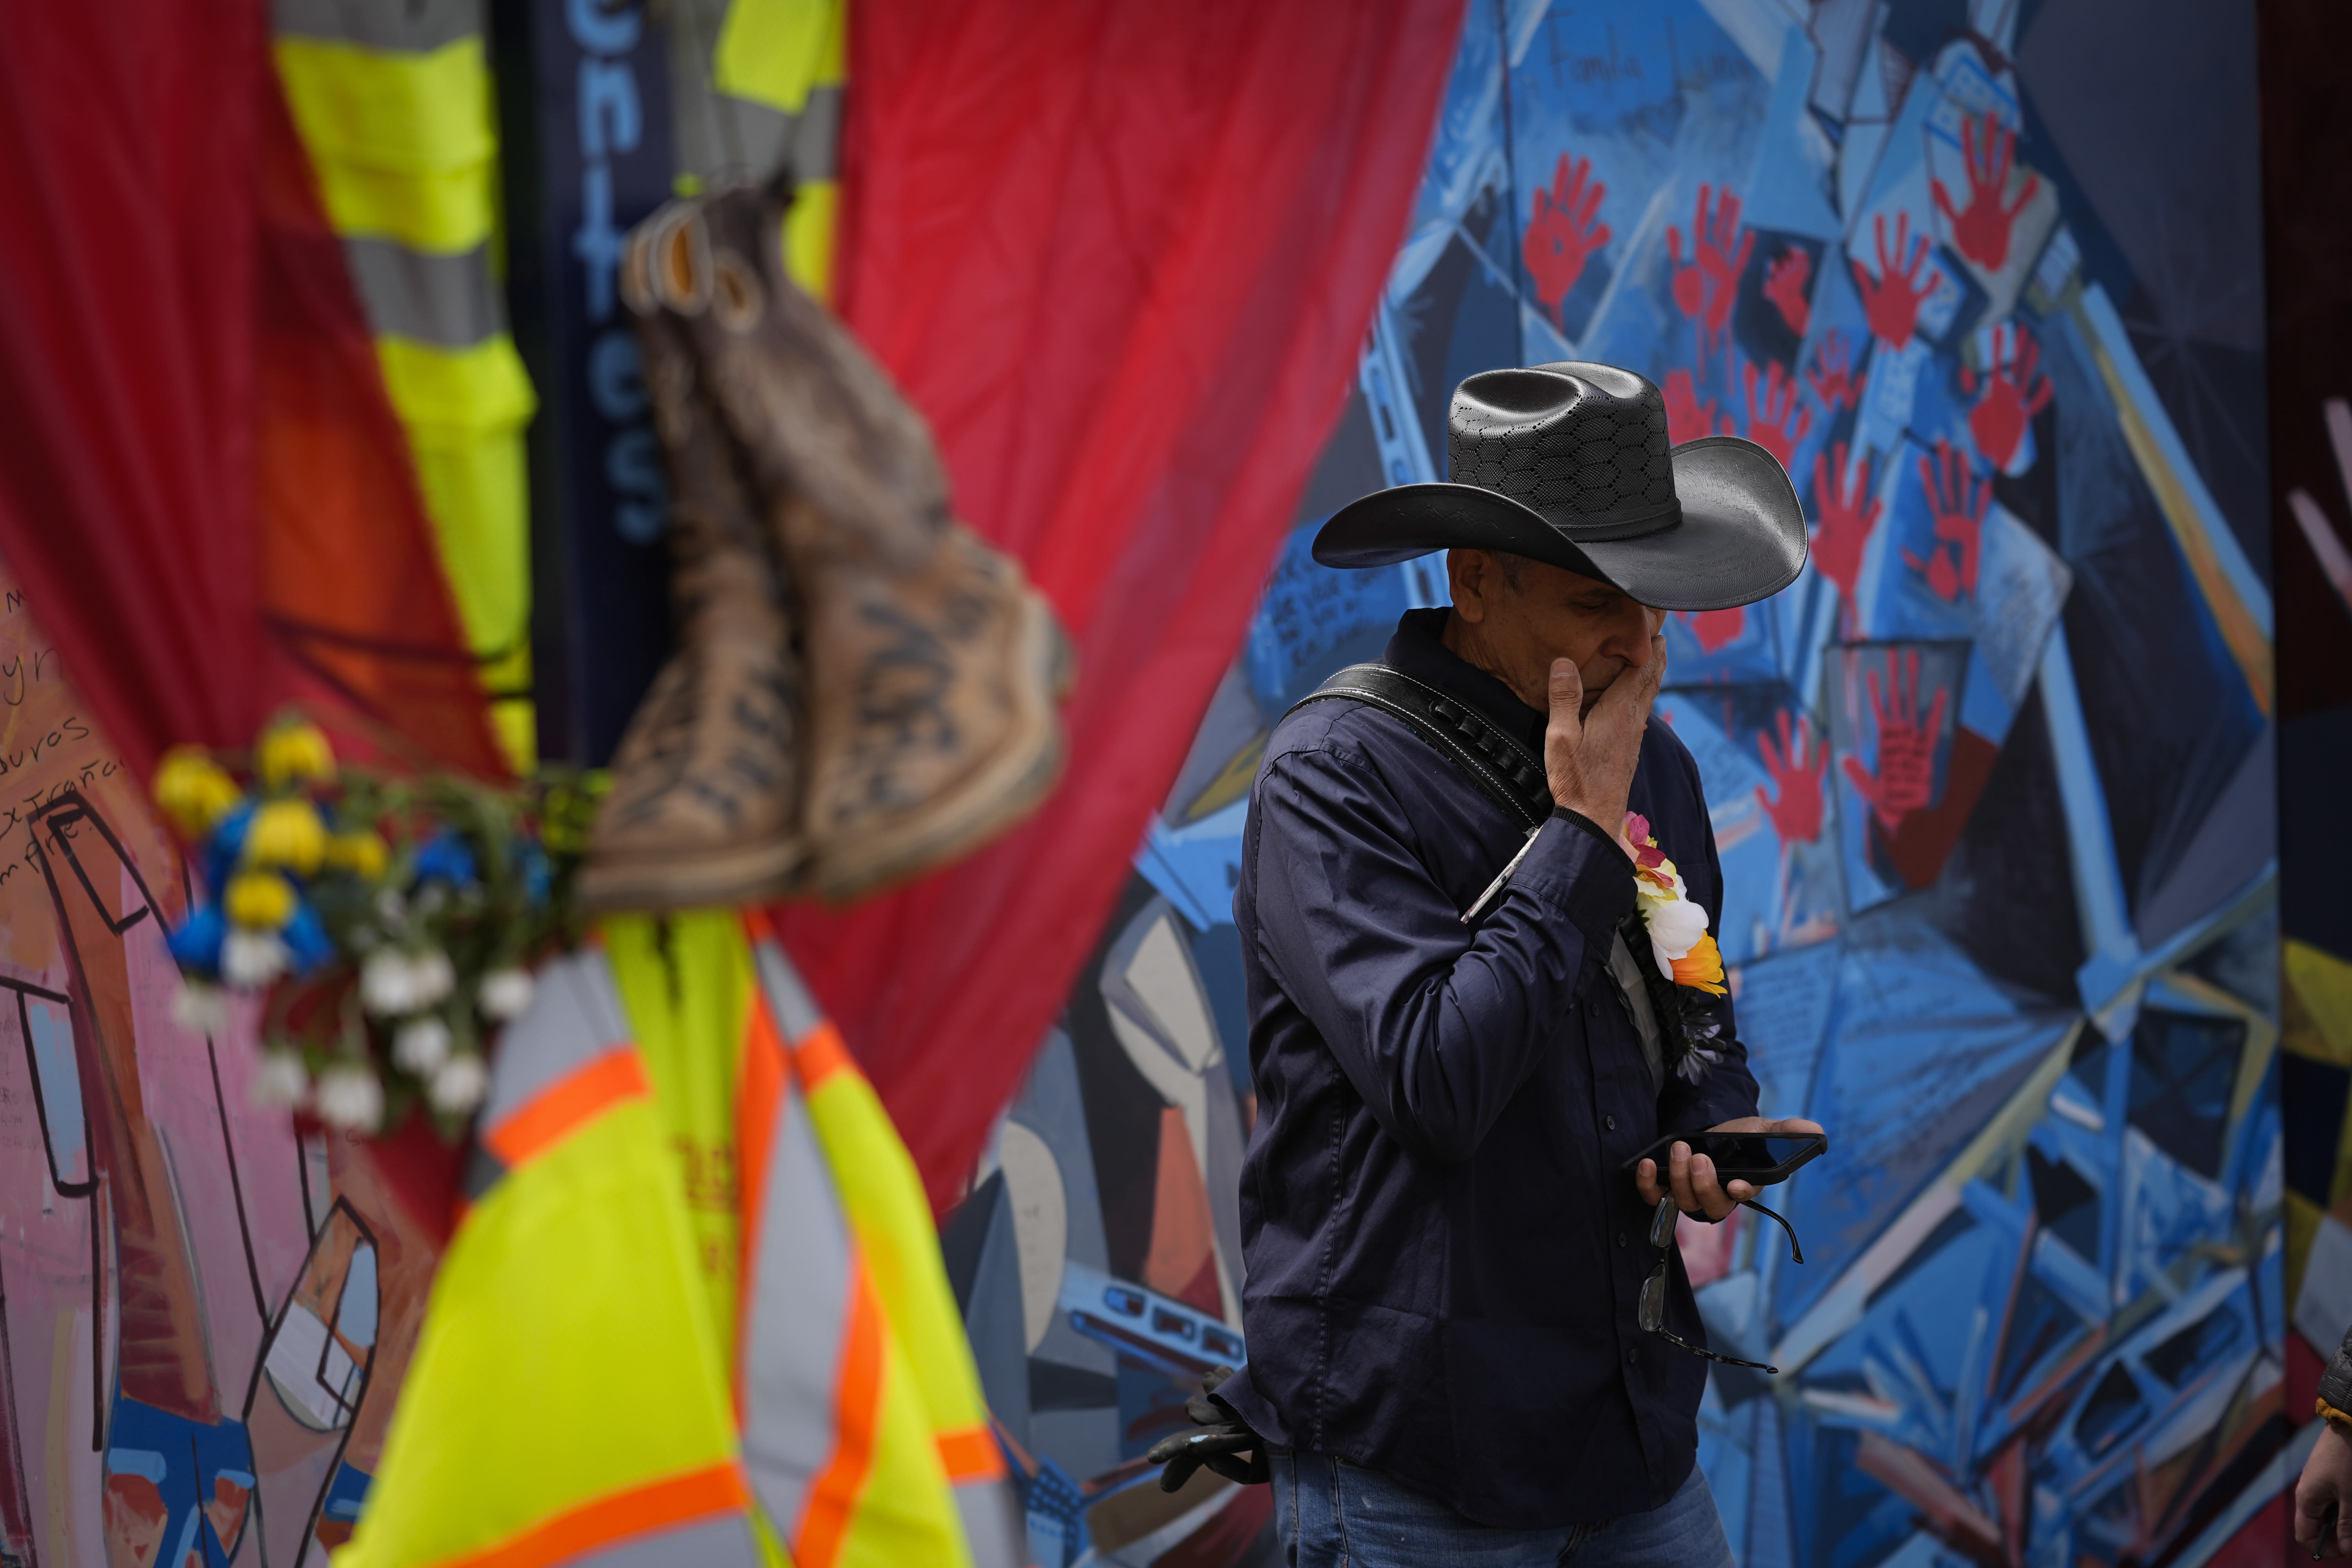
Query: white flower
505,993
201,1009
421,1045
282,1082
252,959
1674,930
433,975
388,982
391,908
350,1097
460,1084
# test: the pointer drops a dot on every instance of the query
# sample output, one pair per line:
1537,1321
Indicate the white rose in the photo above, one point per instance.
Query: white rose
252,959
460,1085
505,993
348,1096
388,984
1674,930
421,1045
201,1009
434,976
282,1082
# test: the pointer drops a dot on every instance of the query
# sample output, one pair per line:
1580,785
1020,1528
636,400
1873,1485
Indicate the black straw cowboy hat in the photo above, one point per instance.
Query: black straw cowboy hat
1569,464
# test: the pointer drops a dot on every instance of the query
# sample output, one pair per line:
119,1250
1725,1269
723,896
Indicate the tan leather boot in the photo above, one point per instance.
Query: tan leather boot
933,670
706,800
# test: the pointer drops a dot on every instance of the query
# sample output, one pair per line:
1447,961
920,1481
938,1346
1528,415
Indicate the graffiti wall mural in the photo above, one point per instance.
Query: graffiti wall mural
203,1315
1993,786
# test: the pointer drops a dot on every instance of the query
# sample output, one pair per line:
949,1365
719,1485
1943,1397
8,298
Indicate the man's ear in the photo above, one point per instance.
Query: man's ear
1470,573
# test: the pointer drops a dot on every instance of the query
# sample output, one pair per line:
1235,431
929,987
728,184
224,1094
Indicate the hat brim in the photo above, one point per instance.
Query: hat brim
1741,537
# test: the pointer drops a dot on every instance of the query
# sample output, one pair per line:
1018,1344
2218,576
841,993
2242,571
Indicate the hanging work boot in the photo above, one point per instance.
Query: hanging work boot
932,668
706,801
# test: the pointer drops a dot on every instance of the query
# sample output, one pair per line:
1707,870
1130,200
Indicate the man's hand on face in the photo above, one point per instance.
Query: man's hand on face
2327,1481
1589,757
1692,1177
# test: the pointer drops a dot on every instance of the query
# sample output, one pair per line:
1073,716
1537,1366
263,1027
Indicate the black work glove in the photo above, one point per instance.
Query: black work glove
1220,1443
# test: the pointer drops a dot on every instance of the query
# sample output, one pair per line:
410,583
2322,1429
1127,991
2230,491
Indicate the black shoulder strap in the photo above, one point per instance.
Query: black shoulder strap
1502,766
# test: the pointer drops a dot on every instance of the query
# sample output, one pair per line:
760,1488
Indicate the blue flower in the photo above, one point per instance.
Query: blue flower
446,858
308,945
531,864
196,945
226,845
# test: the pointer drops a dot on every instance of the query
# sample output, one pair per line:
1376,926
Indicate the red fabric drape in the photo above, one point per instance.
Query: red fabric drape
204,490
1123,256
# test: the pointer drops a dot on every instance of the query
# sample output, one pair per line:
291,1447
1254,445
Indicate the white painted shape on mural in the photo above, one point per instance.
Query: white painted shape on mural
1758,27
1522,20
2022,585
1041,1225
2324,1306
315,1378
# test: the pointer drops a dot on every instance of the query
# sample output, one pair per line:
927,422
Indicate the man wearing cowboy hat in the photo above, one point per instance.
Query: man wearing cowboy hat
1445,1257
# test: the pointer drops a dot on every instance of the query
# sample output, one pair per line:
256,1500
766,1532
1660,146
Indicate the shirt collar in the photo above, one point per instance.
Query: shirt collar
1419,649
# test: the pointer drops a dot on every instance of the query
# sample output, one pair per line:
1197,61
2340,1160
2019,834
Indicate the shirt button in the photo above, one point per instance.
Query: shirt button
1610,1123
1593,1009
1628,1355
1620,1238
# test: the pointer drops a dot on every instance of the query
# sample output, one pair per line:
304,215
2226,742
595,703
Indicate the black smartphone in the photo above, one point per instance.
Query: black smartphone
1759,1159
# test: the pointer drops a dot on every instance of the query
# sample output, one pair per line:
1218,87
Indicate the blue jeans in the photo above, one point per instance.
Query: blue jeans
1330,1514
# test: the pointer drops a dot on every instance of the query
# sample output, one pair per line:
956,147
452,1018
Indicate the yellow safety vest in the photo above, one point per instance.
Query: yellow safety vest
581,1382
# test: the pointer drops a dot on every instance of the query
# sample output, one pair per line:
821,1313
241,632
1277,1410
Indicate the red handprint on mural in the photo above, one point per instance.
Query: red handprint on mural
1778,423
1795,767
1891,301
1980,231
2012,395
1687,418
1706,290
1846,524
1961,499
1906,747
1714,628
1784,285
1832,375
1563,231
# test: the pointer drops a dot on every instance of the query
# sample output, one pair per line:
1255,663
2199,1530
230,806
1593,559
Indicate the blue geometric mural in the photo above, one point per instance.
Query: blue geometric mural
1993,783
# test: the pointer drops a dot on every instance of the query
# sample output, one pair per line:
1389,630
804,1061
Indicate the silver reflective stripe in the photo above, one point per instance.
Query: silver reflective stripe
796,1011
795,1320
711,1544
413,25
450,301
993,1525
574,1017
816,135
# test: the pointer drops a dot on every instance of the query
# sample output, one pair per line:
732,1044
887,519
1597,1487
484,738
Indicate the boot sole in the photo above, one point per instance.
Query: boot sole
693,880
1008,789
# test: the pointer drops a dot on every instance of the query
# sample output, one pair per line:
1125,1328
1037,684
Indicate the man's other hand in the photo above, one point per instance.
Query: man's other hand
1589,757
2327,1483
1225,1443
1692,1177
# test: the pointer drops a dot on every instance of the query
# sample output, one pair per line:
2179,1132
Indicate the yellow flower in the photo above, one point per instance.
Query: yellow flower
287,833
295,750
259,900
194,791
1702,966
363,854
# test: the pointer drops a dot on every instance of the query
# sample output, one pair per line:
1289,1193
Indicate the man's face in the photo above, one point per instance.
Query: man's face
1514,633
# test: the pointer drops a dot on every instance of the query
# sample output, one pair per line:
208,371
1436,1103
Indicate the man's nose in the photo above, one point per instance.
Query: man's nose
1629,639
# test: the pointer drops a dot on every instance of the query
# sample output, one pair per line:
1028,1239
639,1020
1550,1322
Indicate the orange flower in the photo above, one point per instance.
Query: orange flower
1702,966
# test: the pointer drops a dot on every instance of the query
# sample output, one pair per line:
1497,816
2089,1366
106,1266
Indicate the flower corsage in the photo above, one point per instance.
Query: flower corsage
1686,970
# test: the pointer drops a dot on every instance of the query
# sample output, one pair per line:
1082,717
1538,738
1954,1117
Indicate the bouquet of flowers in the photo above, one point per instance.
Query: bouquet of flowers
1686,959
389,922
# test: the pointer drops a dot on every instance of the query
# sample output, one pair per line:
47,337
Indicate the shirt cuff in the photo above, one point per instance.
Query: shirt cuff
1581,872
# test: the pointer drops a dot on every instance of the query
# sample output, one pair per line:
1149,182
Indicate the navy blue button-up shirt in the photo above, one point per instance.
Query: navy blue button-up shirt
1444,1254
